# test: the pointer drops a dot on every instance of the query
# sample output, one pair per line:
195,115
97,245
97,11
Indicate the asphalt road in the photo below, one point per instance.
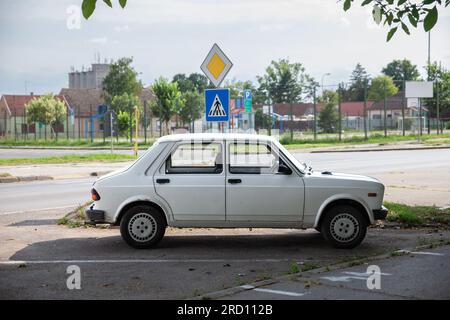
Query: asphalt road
434,165
422,274
39,195
38,153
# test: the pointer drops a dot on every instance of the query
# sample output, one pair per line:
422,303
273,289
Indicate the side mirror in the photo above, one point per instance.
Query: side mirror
284,169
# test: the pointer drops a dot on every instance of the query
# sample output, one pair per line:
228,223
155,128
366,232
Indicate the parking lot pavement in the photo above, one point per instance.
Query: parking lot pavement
422,274
35,252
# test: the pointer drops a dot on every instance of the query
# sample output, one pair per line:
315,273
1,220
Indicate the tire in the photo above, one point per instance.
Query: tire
142,227
344,226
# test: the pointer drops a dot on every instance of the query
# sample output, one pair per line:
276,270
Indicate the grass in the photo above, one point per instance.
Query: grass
72,158
417,215
4,174
75,218
73,143
299,143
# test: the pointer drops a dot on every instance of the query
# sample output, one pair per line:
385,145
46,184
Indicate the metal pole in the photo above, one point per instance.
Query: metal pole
91,124
385,116
145,121
420,119
365,109
437,107
315,113
339,112
292,122
270,117
111,130
403,107
79,124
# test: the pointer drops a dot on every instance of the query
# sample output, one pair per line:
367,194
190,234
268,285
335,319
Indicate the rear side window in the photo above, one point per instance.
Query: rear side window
251,158
195,158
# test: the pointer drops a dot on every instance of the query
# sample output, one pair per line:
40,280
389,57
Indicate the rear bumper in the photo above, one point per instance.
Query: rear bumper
380,214
95,216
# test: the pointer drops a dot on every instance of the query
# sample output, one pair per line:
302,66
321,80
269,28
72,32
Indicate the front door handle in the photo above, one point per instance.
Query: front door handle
162,181
234,181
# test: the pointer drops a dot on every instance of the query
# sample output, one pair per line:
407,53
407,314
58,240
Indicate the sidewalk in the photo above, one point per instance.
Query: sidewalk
64,171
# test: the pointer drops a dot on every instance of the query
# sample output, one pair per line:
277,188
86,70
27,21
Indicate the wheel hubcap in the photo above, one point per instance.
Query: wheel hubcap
142,227
344,227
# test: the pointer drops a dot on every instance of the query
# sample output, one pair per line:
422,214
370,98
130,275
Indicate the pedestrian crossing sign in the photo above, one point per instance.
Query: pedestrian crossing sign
217,105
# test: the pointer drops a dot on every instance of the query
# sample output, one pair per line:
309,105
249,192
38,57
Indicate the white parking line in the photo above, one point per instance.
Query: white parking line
37,210
286,293
18,262
421,252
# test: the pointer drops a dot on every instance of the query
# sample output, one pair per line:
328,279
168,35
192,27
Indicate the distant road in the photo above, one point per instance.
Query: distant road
37,153
425,167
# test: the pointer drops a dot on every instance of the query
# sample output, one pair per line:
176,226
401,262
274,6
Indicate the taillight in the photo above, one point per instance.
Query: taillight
94,194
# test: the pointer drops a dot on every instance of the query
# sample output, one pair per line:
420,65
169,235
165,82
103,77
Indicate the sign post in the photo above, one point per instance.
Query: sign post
419,89
217,101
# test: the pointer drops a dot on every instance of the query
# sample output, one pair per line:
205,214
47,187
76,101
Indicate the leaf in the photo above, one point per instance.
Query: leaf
347,4
88,8
366,2
123,3
412,20
430,19
391,33
405,28
108,2
400,2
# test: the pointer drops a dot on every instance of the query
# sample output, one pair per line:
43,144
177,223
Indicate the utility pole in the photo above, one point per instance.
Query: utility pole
315,113
339,111
384,107
365,109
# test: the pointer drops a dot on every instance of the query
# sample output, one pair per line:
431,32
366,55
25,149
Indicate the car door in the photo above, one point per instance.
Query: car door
261,185
192,181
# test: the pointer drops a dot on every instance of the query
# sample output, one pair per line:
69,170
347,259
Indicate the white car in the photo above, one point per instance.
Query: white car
232,181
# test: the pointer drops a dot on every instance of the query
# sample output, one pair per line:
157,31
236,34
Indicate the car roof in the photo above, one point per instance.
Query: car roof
214,136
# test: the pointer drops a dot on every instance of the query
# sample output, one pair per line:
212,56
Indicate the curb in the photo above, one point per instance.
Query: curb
375,150
333,267
69,148
12,179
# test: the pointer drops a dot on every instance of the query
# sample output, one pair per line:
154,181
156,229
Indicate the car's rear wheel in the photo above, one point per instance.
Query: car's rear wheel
142,227
344,226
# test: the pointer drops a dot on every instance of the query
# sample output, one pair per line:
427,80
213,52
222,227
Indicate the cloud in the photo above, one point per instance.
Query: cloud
99,40
124,28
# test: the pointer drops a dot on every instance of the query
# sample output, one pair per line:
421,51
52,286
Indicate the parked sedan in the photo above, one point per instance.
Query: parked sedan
232,181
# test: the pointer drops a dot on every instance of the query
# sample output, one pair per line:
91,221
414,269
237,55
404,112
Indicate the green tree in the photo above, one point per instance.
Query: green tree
328,116
381,86
400,70
358,77
88,6
192,108
167,100
403,13
47,110
262,120
125,104
442,87
284,82
193,82
123,122
121,78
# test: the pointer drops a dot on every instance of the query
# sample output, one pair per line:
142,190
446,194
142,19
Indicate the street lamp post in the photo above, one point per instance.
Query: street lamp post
326,74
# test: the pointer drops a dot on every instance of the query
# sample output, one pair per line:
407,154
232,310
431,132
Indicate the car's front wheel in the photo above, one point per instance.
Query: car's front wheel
344,226
142,227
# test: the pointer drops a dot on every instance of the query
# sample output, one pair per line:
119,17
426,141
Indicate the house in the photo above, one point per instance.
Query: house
13,119
395,105
352,114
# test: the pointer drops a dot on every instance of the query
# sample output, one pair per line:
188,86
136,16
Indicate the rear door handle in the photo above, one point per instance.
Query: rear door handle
234,181
162,181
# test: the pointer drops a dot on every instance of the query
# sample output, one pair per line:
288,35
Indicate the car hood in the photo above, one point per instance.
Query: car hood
343,176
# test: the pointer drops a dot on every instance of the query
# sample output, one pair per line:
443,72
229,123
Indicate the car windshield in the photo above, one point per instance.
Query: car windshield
300,165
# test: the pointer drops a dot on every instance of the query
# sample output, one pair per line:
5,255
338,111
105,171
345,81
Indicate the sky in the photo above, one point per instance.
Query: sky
41,40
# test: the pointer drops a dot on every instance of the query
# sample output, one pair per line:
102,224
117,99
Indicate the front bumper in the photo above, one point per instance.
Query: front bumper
95,216
380,214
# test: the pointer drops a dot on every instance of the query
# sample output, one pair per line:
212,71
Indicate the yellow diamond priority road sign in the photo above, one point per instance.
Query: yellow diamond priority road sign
216,65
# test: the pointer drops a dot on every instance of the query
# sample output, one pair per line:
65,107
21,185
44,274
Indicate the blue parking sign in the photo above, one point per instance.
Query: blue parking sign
217,105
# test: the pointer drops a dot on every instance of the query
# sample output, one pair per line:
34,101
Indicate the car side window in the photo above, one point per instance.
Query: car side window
194,158
251,158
